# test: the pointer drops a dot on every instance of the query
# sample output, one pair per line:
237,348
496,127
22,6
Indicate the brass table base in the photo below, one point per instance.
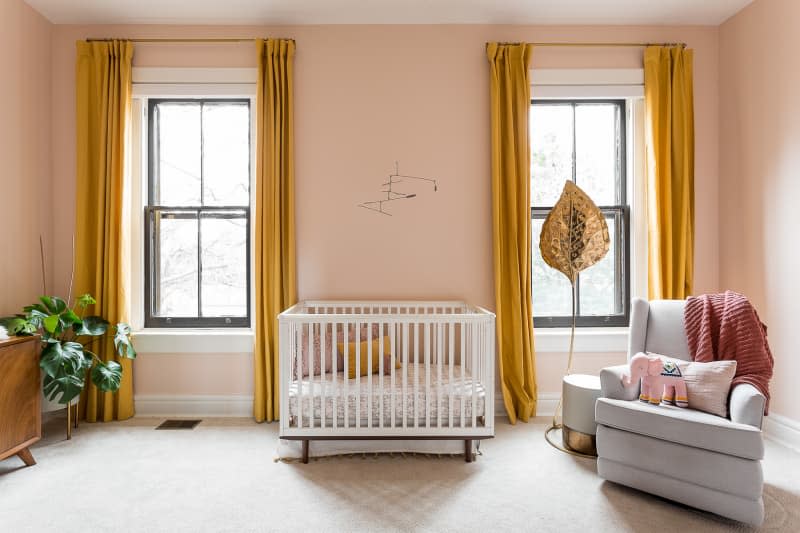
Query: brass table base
573,442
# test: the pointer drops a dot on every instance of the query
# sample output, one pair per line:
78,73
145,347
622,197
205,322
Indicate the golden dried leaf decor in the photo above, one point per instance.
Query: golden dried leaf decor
574,237
575,234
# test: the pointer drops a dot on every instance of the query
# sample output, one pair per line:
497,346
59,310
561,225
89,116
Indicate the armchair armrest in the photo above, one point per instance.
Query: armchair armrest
611,384
746,405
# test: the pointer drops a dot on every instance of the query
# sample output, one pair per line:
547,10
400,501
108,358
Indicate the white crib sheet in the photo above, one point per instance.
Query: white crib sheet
358,393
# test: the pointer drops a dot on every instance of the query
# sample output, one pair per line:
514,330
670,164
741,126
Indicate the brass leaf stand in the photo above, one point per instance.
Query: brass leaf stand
574,237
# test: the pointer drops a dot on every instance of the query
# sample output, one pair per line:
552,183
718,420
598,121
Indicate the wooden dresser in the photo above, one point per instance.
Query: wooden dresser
20,397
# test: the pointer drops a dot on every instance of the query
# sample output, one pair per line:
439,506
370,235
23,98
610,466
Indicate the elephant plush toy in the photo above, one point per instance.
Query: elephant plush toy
661,380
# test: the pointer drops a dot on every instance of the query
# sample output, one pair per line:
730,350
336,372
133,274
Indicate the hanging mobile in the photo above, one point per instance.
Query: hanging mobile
391,194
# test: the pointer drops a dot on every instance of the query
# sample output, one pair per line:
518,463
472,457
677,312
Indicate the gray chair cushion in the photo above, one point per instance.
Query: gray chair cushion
717,471
681,426
665,333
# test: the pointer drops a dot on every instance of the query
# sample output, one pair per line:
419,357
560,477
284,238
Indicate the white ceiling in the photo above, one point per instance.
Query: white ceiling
622,12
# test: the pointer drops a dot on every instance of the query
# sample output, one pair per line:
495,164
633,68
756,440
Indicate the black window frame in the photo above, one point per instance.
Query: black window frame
153,212
621,213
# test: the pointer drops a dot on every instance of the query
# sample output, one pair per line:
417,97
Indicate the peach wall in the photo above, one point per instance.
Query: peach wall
367,96
759,162
25,84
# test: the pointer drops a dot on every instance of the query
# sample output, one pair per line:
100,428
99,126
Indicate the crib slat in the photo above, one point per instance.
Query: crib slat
323,338
346,399
369,373
393,351
439,357
404,326
428,329
311,331
334,376
299,360
356,373
462,363
380,374
416,373
451,361
473,372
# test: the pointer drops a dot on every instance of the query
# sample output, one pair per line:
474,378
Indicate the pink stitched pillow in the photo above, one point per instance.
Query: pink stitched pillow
316,351
708,385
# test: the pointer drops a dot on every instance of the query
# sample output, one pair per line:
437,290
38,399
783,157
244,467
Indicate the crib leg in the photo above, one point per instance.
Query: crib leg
468,450
305,451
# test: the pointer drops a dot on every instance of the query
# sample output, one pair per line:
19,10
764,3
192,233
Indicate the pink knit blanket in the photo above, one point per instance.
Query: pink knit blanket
726,326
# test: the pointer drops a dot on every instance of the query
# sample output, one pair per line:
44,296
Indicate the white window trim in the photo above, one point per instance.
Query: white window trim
587,83
627,84
177,83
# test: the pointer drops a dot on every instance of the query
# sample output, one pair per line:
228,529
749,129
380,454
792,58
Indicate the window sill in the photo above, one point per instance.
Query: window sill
239,340
587,340
553,340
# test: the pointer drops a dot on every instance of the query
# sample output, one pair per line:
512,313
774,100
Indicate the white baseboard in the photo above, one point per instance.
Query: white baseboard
545,405
782,430
193,405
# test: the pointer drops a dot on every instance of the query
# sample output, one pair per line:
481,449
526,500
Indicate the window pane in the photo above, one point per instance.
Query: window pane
176,245
596,151
226,154
551,152
552,293
597,283
224,257
178,154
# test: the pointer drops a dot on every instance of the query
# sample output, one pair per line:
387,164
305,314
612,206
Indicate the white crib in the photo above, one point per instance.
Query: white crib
434,371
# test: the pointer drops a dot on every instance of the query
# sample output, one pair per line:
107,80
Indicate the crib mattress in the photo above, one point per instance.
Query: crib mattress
355,402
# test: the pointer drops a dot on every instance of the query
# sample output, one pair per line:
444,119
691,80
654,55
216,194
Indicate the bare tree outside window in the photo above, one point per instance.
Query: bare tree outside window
197,218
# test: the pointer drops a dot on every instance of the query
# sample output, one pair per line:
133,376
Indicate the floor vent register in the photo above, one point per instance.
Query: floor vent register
178,424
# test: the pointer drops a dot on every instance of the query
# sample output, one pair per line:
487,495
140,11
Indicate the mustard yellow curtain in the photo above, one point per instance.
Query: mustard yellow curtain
511,225
103,100
276,287
669,140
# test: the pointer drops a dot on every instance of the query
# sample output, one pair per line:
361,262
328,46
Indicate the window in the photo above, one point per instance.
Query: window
197,216
584,141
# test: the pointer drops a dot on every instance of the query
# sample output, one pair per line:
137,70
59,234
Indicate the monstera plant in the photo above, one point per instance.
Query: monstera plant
68,341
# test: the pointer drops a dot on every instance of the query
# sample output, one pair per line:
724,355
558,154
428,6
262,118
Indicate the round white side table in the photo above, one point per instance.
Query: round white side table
580,392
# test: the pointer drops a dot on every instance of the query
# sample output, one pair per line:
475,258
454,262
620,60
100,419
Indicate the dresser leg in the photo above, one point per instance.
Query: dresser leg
26,456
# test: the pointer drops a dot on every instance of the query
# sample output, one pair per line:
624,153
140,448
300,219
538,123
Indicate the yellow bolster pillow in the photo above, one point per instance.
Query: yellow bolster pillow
364,366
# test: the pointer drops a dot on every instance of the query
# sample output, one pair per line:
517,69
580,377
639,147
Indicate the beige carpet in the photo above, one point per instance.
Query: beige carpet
222,476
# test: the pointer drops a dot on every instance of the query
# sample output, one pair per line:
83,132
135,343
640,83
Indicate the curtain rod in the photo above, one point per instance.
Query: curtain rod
250,39
163,40
633,45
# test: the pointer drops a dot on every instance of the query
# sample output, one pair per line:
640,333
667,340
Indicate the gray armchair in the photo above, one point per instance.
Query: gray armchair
699,459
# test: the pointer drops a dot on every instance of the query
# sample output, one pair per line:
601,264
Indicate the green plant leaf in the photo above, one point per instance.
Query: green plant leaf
51,323
17,325
107,376
53,304
36,307
85,300
74,351
68,317
36,314
122,341
67,358
68,385
91,325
